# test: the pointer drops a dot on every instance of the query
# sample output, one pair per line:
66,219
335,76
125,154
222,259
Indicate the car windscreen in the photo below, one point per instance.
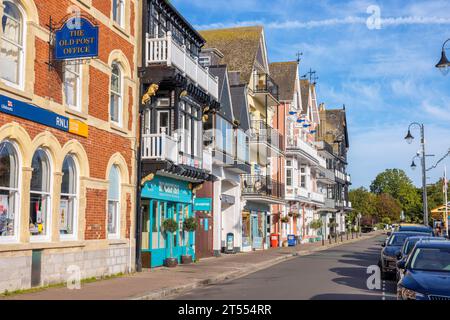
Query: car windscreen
409,245
431,259
397,239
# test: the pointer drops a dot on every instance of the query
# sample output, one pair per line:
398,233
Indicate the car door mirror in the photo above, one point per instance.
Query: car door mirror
389,233
383,244
398,254
401,264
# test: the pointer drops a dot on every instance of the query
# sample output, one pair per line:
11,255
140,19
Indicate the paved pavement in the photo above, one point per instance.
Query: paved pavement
335,274
162,283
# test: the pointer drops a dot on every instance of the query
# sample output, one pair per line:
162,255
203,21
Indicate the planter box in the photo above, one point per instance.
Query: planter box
186,259
171,262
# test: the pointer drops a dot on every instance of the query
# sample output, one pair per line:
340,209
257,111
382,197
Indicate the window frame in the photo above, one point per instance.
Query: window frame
78,93
16,192
48,195
20,85
116,203
119,16
73,201
119,95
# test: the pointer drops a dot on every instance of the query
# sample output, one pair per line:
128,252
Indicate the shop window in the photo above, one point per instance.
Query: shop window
9,190
68,200
72,86
40,195
118,7
116,95
114,203
12,43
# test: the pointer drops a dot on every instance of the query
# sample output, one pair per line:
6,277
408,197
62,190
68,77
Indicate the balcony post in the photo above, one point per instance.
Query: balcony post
183,47
207,79
169,48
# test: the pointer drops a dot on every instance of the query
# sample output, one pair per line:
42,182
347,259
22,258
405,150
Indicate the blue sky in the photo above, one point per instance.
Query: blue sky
385,76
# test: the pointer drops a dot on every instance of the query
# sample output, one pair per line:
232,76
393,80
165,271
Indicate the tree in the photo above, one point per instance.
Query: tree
362,202
399,186
388,207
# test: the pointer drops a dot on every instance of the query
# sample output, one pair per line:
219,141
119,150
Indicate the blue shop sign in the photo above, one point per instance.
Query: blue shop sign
166,189
77,39
202,204
29,112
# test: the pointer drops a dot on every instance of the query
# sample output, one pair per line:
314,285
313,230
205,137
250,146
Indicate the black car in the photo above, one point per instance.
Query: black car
408,246
426,272
391,249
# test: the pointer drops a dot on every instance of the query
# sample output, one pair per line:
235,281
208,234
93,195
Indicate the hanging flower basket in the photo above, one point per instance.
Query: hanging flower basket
284,220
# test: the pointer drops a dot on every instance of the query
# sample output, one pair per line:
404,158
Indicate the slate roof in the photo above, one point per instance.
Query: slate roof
284,74
304,88
240,111
224,96
336,121
239,46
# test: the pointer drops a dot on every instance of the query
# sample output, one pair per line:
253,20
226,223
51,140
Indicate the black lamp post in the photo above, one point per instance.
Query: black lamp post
409,138
443,64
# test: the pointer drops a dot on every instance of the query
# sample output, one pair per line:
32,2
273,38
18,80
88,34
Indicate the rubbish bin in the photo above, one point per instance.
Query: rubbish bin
274,240
230,243
292,241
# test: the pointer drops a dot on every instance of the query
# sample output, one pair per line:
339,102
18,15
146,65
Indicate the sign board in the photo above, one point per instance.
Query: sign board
227,199
48,118
203,204
77,39
166,189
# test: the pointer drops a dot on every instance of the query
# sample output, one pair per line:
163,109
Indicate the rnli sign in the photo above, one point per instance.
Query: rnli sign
77,39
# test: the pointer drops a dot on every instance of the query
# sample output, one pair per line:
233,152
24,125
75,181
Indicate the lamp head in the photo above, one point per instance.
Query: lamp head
409,137
443,64
413,166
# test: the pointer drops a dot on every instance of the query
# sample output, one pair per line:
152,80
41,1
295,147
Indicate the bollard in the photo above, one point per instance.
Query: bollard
323,241
353,235
342,237
329,239
347,235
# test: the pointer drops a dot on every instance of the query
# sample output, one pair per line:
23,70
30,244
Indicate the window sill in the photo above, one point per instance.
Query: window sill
121,29
18,92
116,242
40,246
76,113
116,127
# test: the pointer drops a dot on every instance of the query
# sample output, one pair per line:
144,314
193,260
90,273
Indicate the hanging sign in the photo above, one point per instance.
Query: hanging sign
77,39
202,204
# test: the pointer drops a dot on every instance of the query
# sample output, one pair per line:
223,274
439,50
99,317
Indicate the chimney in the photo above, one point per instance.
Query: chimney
211,57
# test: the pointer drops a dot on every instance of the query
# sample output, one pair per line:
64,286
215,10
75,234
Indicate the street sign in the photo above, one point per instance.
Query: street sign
77,39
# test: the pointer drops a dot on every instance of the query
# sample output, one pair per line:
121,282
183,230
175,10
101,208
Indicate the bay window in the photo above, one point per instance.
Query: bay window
40,194
12,43
9,191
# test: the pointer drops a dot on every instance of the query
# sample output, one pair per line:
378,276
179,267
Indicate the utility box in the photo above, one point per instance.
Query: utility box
292,240
229,246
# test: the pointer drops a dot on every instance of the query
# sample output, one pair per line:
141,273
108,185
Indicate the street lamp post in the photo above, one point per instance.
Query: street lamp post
409,138
443,65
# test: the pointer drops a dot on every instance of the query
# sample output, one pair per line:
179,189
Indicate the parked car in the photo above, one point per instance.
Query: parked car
408,246
426,272
415,227
391,249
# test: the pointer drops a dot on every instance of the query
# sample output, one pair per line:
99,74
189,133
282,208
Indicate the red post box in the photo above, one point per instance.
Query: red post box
274,240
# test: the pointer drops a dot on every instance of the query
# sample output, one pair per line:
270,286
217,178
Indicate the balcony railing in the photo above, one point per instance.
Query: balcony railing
263,83
264,133
298,144
317,197
326,175
262,185
159,147
167,51
348,178
340,175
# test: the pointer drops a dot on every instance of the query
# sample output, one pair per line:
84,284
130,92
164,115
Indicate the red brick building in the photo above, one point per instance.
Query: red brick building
67,144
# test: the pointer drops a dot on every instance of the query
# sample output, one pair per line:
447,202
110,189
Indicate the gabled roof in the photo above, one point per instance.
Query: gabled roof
240,109
285,74
239,45
337,121
304,89
226,109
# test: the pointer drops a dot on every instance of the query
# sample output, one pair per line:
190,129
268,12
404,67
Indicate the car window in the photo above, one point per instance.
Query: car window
431,259
398,239
409,245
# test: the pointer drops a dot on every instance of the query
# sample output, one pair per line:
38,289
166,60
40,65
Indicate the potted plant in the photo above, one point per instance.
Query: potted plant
170,226
189,225
291,214
284,220
296,215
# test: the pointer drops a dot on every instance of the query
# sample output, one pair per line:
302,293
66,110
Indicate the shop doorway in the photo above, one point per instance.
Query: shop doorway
204,235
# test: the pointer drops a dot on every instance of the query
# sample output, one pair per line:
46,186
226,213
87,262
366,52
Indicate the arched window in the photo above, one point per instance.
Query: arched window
116,94
69,198
40,195
118,7
12,43
9,190
114,203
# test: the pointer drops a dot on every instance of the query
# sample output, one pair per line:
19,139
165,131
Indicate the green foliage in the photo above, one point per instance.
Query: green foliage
316,224
363,202
170,225
386,220
190,225
397,184
388,207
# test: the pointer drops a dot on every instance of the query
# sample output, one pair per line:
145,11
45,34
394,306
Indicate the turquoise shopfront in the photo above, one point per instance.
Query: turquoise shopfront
165,198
